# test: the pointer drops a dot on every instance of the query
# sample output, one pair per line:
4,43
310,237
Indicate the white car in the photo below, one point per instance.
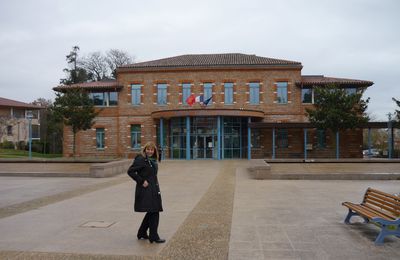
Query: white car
374,152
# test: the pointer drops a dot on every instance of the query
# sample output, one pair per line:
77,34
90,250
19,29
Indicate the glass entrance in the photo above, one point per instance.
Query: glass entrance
203,147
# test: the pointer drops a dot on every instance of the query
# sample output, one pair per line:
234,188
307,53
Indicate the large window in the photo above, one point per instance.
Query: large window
136,91
228,86
283,141
162,94
186,91
255,138
9,130
321,136
351,91
100,138
178,138
232,132
254,93
281,89
207,91
135,136
104,98
307,95
19,113
35,131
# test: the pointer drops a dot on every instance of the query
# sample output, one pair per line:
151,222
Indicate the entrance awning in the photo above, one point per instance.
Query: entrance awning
207,112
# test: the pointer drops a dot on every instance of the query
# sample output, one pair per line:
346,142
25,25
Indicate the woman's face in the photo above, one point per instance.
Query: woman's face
149,151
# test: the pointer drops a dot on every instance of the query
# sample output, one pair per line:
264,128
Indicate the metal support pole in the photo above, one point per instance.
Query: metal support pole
187,138
337,145
390,136
219,138
162,138
273,143
369,142
305,143
30,138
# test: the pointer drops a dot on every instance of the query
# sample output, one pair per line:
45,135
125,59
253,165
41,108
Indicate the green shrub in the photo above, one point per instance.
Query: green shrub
7,145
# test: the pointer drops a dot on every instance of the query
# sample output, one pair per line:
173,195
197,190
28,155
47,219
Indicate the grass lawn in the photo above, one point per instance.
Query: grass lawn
11,153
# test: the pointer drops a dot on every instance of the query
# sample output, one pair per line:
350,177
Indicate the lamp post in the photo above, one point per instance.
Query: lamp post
29,116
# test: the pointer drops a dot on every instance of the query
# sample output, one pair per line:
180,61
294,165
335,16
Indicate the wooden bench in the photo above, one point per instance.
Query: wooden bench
379,207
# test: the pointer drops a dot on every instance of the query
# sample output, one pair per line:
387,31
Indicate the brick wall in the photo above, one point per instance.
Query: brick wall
117,120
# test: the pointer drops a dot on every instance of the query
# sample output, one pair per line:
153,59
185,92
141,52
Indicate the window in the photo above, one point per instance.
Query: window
98,98
136,91
162,94
228,92
112,99
104,98
135,136
186,91
35,132
9,130
255,138
282,135
207,90
19,113
321,136
307,95
254,93
100,137
281,89
351,91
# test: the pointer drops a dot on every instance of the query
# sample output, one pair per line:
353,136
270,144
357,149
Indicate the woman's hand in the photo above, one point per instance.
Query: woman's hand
145,184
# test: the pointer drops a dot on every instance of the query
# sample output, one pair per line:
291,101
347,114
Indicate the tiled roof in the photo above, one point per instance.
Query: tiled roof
307,80
91,85
212,60
4,102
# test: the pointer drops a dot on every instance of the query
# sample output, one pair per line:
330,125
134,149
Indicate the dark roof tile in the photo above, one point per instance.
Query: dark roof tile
307,80
211,60
4,102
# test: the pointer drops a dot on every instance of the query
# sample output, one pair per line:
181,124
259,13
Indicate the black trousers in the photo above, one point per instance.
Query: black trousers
150,221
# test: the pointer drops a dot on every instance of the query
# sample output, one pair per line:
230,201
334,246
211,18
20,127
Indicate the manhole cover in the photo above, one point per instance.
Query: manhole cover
98,224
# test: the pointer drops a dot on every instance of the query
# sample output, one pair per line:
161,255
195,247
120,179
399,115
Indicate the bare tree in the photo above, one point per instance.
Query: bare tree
96,65
116,58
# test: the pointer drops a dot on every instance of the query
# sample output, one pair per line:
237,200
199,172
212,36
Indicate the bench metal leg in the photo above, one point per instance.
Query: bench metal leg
349,215
388,228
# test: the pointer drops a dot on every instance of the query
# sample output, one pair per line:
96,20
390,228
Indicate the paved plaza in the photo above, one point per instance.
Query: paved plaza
212,210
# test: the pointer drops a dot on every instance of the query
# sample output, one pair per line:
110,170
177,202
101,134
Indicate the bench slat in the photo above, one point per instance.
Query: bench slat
393,204
379,212
385,194
362,210
382,204
394,201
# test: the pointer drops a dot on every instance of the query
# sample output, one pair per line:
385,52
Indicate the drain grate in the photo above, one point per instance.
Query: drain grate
97,224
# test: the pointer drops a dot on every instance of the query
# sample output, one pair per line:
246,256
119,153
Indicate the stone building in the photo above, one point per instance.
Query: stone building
14,122
256,109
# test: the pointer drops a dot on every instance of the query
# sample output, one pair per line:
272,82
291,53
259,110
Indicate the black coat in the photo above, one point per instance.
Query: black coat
146,199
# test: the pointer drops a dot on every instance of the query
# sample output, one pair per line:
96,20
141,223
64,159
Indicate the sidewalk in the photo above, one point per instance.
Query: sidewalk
213,209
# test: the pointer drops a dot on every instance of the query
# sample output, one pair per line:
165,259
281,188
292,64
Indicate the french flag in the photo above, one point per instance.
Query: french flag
198,99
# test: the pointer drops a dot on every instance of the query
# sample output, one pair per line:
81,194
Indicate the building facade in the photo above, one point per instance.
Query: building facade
14,121
255,107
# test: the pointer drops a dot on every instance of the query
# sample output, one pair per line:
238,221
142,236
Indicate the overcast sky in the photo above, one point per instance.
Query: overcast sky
358,39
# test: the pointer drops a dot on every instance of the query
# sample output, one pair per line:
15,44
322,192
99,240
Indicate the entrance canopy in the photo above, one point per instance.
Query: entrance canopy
207,112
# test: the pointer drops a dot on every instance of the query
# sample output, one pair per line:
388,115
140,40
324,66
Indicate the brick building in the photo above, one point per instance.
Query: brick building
257,110
14,122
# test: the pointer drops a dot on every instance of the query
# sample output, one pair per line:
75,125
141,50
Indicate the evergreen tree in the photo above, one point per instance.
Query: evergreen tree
74,108
75,73
397,111
337,110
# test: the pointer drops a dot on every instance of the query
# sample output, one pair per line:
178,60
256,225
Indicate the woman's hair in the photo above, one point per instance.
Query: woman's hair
150,145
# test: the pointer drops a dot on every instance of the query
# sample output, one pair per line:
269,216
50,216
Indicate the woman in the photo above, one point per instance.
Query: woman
147,196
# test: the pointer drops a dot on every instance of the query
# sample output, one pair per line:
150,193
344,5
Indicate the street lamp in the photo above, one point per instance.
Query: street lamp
29,116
